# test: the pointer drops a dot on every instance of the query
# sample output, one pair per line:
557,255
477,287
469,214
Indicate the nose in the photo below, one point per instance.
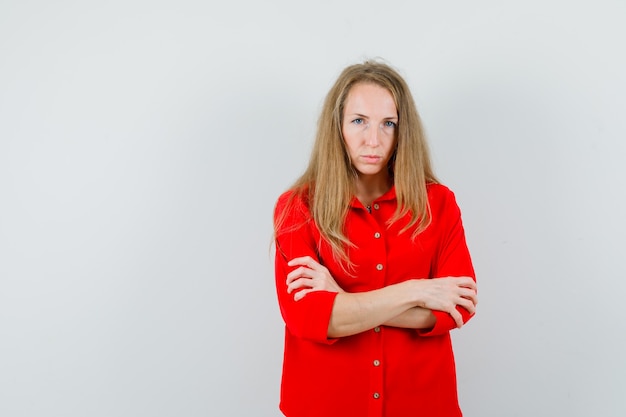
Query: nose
372,139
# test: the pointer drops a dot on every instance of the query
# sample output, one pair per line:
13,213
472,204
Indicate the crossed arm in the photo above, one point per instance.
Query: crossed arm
408,304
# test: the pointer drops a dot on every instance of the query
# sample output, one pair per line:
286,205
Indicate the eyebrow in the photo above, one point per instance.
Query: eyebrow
365,117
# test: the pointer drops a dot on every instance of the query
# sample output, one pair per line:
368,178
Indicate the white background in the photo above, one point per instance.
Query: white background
143,144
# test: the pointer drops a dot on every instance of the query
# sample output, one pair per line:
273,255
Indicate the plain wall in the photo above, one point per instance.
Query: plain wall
143,144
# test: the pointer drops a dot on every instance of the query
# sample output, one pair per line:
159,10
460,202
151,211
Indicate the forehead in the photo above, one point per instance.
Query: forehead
365,96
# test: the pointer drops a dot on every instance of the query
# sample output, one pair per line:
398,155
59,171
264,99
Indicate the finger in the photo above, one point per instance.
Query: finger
302,293
303,260
466,282
301,272
468,305
458,318
299,283
462,282
470,295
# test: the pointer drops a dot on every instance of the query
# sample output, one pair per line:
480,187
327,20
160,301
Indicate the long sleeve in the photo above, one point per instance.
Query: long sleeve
309,317
452,258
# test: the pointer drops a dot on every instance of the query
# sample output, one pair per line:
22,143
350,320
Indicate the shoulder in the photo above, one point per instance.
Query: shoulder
291,210
441,198
438,191
290,200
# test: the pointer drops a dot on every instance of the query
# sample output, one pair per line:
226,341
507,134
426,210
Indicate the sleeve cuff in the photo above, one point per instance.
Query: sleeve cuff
443,324
314,326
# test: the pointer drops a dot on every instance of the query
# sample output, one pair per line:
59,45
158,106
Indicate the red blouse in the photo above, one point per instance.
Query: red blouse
385,371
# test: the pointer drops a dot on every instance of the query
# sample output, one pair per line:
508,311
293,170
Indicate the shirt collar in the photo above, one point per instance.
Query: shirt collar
388,196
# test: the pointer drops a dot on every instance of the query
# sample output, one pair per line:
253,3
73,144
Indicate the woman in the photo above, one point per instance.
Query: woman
372,267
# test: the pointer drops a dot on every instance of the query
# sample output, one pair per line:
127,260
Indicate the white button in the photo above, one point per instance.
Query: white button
376,362
377,329
376,206
376,395
379,267
376,235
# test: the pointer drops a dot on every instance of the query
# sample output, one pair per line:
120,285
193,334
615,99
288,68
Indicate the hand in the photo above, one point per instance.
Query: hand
310,276
445,294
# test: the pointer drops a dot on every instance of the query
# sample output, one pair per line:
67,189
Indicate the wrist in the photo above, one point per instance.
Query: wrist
416,292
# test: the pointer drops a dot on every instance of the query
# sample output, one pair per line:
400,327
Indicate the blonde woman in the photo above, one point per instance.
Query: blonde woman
372,267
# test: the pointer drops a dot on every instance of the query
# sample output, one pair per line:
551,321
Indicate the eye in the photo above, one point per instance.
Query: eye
389,123
358,121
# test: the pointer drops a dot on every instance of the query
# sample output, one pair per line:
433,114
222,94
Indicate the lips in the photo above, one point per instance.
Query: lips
371,158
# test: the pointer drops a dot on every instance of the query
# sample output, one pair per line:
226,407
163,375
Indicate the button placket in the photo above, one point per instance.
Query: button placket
378,261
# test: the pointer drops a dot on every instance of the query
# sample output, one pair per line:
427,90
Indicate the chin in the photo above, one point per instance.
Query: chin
369,172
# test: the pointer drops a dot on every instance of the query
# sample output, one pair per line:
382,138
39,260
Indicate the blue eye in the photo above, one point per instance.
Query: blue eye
357,121
389,123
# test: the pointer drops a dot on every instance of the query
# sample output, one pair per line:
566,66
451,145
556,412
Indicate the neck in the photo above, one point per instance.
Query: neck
369,188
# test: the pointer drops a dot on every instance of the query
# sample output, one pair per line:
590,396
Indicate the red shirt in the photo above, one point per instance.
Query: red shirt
385,371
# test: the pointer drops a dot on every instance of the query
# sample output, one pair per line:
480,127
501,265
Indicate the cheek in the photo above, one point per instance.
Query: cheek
349,141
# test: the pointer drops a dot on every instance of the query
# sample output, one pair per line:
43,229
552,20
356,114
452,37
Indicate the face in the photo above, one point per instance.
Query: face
370,121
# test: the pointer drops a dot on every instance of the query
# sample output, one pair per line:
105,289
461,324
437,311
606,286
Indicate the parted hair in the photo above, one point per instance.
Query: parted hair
328,184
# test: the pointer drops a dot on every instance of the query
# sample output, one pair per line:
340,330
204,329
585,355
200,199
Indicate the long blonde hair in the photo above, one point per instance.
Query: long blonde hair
328,182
